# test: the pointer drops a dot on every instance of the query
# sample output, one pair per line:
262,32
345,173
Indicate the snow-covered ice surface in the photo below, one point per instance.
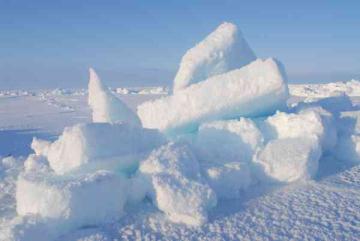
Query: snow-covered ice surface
351,88
326,208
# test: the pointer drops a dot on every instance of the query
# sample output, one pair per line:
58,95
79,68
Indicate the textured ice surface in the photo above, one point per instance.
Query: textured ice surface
257,89
326,209
333,104
223,50
178,188
105,106
290,159
227,141
310,123
101,144
37,163
228,179
40,147
73,201
348,146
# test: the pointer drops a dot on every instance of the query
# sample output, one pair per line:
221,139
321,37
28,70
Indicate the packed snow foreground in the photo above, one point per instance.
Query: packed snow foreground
225,128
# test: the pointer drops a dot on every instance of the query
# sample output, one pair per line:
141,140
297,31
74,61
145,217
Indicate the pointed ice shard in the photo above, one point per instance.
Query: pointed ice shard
223,50
105,106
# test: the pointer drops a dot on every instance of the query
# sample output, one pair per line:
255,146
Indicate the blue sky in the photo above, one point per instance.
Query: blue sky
52,43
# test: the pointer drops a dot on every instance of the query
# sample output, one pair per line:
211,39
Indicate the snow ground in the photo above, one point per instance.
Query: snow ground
326,208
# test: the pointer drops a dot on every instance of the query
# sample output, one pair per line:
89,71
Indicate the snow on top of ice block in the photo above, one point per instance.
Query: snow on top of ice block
105,106
257,89
100,144
223,50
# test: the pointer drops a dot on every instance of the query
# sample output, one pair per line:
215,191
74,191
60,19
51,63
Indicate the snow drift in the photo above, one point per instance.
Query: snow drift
257,89
223,50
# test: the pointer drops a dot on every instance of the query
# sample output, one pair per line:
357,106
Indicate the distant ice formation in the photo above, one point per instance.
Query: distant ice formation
350,88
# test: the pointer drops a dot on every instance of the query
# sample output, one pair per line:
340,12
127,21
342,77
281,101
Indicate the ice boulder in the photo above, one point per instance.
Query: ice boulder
177,187
257,89
36,163
101,145
72,201
348,148
227,141
229,179
40,147
105,106
311,122
289,159
223,50
348,123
